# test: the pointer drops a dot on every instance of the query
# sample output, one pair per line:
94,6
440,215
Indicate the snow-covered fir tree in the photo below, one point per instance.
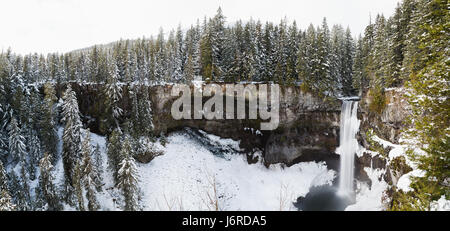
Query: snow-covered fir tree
46,178
128,176
113,91
17,148
6,203
71,136
88,173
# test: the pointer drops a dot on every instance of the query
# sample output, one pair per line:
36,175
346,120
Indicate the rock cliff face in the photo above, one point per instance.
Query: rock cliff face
308,129
387,125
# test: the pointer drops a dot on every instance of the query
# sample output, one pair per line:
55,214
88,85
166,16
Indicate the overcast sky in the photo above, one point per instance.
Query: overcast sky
63,25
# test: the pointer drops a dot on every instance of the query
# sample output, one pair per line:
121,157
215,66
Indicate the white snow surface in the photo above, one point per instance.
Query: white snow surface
404,181
370,199
441,205
182,178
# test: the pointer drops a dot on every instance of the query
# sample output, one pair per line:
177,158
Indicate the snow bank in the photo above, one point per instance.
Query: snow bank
404,181
441,205
370,199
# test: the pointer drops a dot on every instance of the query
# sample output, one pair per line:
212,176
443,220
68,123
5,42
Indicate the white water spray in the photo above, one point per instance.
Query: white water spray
348,145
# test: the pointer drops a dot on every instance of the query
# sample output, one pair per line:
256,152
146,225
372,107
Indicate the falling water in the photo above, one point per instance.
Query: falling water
348,145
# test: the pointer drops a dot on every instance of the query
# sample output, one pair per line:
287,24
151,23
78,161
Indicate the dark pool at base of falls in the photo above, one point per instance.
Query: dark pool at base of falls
324,198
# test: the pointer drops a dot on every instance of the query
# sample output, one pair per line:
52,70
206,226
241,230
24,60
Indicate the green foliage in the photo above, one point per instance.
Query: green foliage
426,68
377,100
375,146
113,151
47,188
128,176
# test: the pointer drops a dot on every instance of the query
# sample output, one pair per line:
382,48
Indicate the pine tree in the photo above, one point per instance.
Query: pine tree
113,150
292,52
347,64
98,166
113,92
46,183
128,176
160,62
217,45
88,173
78,186
6,201
179,56
359,72
322,55
48,135
3,177
17,146
206,54
281,54
71,136
142,121
307,64
428,95
34,156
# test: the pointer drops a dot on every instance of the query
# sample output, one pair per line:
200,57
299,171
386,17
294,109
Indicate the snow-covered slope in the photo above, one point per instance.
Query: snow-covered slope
189,174
183,179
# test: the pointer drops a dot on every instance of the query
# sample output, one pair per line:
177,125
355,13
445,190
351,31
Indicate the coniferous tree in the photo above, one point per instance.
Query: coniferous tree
88,173
127,176
307,64
78,186
71,138
113,150
113,91
217,45
48,133
6,203
34,156
429,93
347,64
98,167
3,178
46,183
359,66
292,52
17,147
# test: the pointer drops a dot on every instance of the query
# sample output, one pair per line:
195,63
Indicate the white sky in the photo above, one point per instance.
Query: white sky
63,25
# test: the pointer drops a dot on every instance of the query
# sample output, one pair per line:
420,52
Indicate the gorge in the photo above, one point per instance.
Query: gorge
311,129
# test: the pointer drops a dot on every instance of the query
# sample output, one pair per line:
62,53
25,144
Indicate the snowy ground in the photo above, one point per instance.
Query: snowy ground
183,179
370,199
189,174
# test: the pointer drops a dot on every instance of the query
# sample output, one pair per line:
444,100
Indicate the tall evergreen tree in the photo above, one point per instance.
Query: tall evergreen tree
17,146
113,91
429,98
71,136
46,178
128,176
88,173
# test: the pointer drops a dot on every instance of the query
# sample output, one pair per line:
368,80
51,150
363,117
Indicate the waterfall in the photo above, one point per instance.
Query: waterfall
348,145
